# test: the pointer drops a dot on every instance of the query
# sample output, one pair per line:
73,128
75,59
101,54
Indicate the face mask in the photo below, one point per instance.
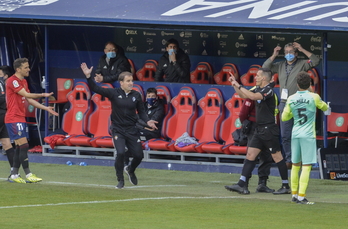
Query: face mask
289,57
151,101
171,51
111,55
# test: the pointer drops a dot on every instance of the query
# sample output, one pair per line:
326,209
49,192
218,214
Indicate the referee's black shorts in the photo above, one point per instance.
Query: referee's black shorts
266,137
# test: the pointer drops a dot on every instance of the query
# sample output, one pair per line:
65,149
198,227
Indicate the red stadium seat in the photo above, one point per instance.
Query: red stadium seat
98,122
276,79
207,127
64,86
75,119
147,72
248,79
223,75
184,115
133,71
138,88
203,74
336,123
164,93
228,126
315,81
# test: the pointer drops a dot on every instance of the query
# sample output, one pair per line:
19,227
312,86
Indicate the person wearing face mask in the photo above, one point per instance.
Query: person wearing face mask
111,64
154,109
287,71
174,65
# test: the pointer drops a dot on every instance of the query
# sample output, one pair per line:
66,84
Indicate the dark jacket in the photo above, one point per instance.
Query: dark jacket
156,112
178,73
111,71
124,107
3,107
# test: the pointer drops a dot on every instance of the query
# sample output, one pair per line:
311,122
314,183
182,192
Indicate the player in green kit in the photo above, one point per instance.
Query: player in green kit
302,107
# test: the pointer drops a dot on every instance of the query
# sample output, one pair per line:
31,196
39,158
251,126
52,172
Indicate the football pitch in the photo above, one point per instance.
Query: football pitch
85,197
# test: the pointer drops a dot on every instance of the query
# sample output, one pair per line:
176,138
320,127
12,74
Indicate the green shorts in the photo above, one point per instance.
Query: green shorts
304,150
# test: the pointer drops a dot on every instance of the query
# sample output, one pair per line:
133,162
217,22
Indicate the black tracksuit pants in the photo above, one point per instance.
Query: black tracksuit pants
127,137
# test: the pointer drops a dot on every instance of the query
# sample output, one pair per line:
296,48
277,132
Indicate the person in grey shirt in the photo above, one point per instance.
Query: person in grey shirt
287,71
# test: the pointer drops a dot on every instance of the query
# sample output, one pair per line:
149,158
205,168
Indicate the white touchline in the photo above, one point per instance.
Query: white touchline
125,200
107,186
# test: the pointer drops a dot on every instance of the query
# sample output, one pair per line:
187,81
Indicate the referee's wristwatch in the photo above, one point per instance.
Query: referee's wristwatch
240,86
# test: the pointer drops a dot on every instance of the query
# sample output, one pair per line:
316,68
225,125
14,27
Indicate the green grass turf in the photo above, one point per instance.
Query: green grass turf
85,197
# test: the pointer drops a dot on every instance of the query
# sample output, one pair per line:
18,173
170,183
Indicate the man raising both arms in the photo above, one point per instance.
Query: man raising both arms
287,71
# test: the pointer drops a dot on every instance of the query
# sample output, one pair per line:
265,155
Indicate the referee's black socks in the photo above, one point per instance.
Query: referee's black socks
246,172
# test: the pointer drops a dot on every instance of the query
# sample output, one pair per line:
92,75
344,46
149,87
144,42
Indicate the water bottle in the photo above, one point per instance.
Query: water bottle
69,163
43,82
83,164
328,111
169,166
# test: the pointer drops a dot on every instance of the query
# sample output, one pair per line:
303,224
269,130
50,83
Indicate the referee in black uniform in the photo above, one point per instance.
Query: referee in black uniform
5,72
266,133
125,104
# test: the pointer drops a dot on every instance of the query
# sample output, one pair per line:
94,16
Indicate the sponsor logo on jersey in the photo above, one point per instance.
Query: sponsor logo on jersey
15,83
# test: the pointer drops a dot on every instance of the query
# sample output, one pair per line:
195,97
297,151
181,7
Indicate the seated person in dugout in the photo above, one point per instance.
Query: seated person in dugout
111,64
174,64
154,108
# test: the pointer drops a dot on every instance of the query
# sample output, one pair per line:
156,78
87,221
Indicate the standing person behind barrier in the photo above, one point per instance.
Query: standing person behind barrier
16,92
111,64
125,103
266,133
5,72
174,64
302,107
287,71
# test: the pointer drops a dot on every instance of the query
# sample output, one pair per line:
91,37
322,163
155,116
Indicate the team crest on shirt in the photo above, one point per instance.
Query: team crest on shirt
19,133
116,137
15,83
134,99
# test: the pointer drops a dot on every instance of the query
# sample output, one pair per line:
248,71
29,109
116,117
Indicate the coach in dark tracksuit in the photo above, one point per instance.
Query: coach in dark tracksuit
125,102
174,64
111,64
